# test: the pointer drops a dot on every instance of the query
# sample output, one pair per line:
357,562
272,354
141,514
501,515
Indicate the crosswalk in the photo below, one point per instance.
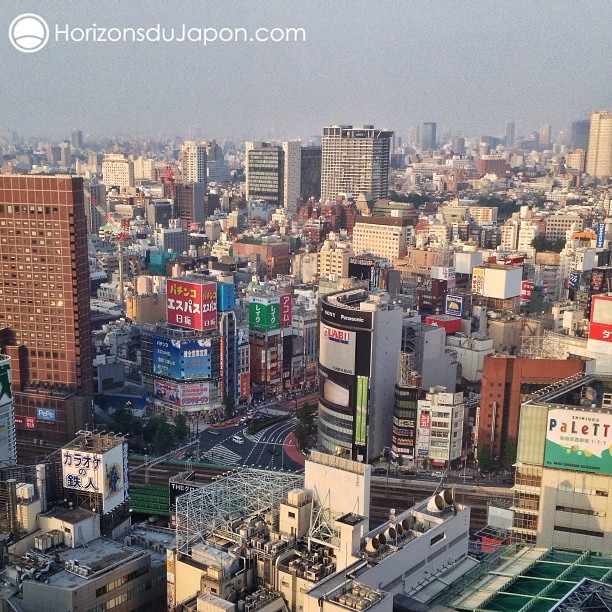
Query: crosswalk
221,454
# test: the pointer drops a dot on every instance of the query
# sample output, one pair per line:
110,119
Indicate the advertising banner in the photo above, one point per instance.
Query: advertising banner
182,359
45,414
454,305
264,313
191,305
193,394
579,440
574,280
225,297
167,391
344,317
423,434
6,389
337,349
285,310
478,276
26,422
600,326
362,410
96,473
600,235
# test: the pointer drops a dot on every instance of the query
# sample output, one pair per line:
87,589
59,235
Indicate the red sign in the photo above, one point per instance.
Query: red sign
245,384
600,327
25,421
514,261
285,310
424,421
192,305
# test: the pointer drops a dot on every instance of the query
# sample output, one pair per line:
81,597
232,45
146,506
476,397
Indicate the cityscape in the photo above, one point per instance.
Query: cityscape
263,357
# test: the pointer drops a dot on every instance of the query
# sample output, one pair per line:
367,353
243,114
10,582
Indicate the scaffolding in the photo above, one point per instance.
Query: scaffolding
548,346
243,493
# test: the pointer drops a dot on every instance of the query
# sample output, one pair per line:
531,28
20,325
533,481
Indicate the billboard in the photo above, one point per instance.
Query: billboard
362,410
351,318
191,305
285,310
337,349
600,235
26,422
225,297
45,414
97,473
600,326
264,313
182,394
245,384
574,280
478,280
454,305
6,389
182,359
578,440
423,434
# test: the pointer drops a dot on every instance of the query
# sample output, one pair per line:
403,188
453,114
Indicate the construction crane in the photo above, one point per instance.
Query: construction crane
119,237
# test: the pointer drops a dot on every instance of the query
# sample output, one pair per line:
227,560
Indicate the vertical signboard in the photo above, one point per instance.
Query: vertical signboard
361,412
285,310
225,297
478,275
600,234
423,434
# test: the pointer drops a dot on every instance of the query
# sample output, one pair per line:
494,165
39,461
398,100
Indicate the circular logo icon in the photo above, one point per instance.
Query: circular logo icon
28,33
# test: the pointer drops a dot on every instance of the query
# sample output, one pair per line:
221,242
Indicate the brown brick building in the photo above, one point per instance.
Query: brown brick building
507,381
44,304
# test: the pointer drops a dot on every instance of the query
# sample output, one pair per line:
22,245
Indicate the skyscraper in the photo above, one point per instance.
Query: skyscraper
545,136
355,160
599,152
76,139
428,136
509,138
44,303
579,137
273,173
310,174
193,161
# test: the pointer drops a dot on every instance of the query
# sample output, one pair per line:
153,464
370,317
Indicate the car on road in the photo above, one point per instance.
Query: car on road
379,471
437,474
238,439
213,432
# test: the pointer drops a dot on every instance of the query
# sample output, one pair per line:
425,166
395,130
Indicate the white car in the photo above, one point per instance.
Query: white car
238,439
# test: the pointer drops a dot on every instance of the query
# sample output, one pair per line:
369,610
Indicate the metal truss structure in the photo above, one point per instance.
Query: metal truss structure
548,346
323,525
239,494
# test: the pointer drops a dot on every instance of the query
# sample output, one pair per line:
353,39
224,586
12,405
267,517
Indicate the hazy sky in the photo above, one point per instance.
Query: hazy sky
470,65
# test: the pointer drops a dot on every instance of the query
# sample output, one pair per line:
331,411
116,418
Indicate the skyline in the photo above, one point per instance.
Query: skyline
388,65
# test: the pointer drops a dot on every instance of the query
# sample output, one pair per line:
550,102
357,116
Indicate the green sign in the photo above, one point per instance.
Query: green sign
264,316
362,410
5,382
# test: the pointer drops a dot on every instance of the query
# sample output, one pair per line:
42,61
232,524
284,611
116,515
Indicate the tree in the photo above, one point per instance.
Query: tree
485,459
229,404
181,429
125,422
509,454
400,461
425,463
164,436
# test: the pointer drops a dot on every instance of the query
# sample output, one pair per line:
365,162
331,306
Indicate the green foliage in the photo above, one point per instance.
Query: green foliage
164,436
230,405
509,453
485,459
125,422
505,208
425,462
541,243
416,199
259,425
181,429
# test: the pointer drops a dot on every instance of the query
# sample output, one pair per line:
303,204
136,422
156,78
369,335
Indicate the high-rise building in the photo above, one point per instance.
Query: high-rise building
599,152
545,136
509,133
292,167
117,171
579,136
45,303
428,136
273,173
76,139
65,154
189,202
193,161
360,341
385,237
355,160
310,173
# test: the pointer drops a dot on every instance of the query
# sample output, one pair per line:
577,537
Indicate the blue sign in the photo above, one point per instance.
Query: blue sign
182,359
601,235
454,305
225,297
574,280
45,414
